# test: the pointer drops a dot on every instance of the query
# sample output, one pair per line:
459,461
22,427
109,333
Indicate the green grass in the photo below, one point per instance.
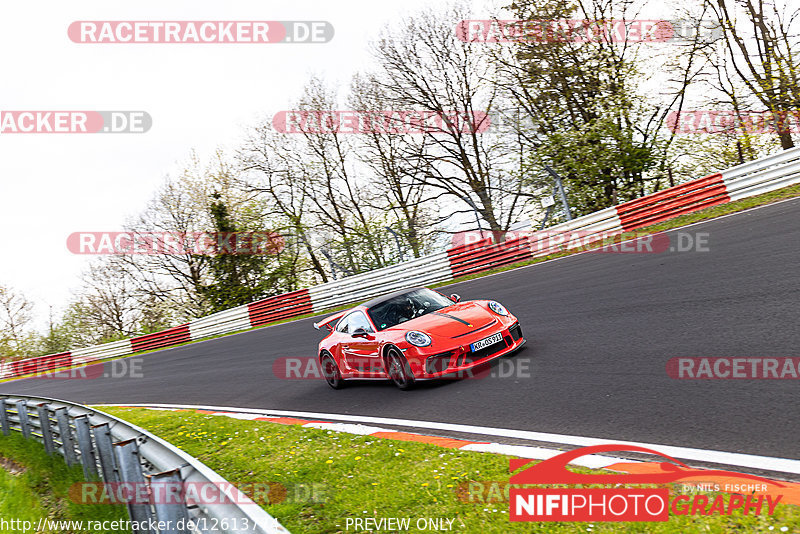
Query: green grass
38,487
684,220
362,476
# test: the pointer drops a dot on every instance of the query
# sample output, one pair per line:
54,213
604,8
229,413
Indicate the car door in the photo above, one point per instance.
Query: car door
340,339
361,353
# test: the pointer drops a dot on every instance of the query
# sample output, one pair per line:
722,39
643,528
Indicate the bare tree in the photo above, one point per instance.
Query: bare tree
108,300
760,40
16,313
340,198
398,167
273,167
424,67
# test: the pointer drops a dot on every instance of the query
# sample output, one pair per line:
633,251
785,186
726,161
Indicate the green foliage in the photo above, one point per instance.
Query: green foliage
364,476
38,487
240,278
590,119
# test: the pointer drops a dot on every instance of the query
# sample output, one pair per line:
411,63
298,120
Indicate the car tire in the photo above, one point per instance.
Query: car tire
398,370
330,371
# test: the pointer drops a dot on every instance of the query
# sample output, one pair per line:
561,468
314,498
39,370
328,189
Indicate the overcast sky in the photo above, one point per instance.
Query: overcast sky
200,96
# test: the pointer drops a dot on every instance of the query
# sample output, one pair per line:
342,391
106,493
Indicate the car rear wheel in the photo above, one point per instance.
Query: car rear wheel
398,370
331,371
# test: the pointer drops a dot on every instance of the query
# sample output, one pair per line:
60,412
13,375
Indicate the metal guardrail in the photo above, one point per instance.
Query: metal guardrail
763,175
231,320
116,452
416,272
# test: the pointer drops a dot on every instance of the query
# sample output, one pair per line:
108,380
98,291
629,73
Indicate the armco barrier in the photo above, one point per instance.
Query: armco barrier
280,307
752,178
159,340
416,272
763,175
120,454
42,363
231,320
594,226
669,203
484,255
102,352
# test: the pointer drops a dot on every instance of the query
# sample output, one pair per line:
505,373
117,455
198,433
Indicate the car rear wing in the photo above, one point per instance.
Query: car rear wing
329,322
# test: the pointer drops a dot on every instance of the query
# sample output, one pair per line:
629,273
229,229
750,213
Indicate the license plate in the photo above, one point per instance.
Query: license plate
491,340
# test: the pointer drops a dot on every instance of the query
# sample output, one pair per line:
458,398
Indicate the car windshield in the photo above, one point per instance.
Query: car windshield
407,306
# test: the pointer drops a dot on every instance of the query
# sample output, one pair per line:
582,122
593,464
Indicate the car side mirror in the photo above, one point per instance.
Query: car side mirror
455,298
360,332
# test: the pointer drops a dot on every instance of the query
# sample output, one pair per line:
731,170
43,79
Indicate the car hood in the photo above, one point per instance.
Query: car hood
452,322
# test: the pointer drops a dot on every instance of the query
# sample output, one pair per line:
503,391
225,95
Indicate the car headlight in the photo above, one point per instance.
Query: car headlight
418,339
498,308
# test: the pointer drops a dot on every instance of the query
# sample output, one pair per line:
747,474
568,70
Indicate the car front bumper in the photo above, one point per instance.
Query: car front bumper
461,359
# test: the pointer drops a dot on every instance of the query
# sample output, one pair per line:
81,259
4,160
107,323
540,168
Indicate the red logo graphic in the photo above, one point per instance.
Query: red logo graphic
621,504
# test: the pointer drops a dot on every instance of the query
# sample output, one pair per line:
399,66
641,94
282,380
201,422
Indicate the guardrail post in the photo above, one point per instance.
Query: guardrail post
170,501
44,424
22,412
85,446
102,439
65,435
4,418
130,472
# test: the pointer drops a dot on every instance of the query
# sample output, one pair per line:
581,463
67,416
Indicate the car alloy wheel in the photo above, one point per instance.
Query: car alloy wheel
399,370
331,371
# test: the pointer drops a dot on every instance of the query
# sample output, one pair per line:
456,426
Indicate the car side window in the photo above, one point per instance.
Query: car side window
343,324
358,320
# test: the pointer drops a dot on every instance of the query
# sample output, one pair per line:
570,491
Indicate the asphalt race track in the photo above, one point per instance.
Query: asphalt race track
600,327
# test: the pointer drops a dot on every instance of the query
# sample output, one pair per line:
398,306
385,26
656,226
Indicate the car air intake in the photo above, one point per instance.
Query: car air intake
515,331
438,362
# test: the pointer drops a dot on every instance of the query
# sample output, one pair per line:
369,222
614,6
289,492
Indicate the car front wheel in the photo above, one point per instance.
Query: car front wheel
398,369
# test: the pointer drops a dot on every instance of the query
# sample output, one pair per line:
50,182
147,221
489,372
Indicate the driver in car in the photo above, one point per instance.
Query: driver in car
405,312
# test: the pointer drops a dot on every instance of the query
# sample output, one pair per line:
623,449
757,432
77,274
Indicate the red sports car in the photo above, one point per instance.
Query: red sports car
415,334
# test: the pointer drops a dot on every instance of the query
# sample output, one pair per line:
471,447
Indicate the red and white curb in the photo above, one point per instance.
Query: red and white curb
594,461
355,425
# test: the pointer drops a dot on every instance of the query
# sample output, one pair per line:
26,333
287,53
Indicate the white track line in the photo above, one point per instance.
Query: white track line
768,463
